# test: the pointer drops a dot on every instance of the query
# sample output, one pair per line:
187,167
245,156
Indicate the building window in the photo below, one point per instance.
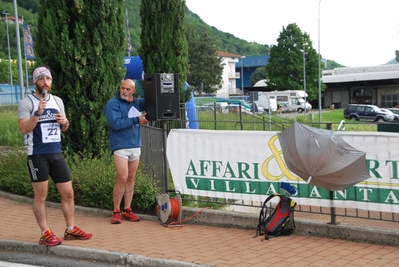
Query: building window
389,101
362,96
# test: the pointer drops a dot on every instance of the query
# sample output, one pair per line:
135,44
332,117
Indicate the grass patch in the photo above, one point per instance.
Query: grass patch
214,120
9,133
203,100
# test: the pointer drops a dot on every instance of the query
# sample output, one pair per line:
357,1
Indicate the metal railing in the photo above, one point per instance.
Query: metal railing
154,157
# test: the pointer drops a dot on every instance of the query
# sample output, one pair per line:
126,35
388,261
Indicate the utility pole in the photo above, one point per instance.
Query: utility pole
6,13
21,77
304,74
242,77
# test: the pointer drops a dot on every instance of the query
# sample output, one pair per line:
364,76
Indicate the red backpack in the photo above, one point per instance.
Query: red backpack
278,220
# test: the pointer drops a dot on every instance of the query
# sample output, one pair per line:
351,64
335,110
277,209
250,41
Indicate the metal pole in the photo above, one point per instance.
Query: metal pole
26,61
18,41
319,67
333,213
5,12
165,161
304,74
270,114
242,77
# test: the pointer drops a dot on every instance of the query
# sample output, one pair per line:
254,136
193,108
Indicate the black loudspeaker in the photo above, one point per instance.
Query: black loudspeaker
162,96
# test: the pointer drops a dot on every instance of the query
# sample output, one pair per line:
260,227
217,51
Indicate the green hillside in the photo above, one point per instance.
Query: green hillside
29,18
28,9
226,42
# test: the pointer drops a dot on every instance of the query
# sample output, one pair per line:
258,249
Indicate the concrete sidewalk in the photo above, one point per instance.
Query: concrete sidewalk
148,243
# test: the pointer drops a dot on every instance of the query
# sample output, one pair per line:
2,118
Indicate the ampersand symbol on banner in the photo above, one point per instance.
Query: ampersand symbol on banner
276,156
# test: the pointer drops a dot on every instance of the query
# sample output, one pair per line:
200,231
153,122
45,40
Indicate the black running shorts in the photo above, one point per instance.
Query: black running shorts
41,166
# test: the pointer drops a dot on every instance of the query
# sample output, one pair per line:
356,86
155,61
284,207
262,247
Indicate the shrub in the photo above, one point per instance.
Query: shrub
145,191
14,176
93,180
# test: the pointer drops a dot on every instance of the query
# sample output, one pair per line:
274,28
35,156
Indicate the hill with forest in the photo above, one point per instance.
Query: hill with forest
28,9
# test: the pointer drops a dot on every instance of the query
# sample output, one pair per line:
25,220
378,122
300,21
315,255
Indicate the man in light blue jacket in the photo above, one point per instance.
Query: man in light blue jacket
125,114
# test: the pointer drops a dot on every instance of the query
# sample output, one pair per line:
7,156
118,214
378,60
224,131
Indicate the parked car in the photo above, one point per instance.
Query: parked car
258,108
364,112
283,107
245,106
395,113
211,106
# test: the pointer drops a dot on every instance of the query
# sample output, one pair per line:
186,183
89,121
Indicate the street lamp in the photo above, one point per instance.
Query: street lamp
319,66
304,73
6,13
242,77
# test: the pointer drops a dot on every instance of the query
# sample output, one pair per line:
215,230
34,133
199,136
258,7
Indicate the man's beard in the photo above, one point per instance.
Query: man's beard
127,98
40,89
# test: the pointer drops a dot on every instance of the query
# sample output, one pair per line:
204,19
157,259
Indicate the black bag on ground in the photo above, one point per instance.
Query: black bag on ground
278,220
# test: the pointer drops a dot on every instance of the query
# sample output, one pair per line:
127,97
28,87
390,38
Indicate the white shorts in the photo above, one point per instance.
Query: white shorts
131,154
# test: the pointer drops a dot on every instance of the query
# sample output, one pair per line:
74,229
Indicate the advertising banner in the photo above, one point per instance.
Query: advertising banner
28,43
249,165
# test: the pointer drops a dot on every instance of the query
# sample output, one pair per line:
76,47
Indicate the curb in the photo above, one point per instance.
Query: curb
81,253
94,255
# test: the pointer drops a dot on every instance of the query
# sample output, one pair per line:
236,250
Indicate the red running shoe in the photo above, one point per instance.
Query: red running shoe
116,217
49,239
129,215
76,234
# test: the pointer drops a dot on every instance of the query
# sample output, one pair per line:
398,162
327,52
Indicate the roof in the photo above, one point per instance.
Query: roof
359,74
11,18
260,83
393,61
226,54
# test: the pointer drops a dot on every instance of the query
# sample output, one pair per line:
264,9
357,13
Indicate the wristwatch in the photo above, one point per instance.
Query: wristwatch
37,114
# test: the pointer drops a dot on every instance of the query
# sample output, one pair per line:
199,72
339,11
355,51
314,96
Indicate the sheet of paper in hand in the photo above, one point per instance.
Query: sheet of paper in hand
133,112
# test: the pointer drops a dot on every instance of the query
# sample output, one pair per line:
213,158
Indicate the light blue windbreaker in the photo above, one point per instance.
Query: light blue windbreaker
124,132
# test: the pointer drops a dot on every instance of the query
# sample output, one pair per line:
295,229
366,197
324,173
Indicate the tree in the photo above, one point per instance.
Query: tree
163,41
285,67
5,71
83,42
205,66
257,75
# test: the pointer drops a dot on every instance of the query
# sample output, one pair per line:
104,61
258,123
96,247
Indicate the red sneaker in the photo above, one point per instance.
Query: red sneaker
129,215
116,217
76,234
49,239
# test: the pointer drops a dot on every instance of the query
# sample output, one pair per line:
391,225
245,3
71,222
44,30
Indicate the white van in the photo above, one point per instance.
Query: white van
294,99
266,104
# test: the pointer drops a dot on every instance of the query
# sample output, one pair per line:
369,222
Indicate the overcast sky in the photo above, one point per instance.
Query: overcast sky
352,32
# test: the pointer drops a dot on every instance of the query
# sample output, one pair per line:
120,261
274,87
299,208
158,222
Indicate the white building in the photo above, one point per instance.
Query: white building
229,75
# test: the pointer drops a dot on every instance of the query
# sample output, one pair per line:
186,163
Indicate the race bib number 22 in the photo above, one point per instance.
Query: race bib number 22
50,132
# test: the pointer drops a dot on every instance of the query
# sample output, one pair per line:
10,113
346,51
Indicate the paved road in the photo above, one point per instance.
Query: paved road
147,243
